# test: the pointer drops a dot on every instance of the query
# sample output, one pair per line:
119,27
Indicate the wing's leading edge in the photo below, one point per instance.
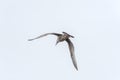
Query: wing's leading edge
71,48
45,35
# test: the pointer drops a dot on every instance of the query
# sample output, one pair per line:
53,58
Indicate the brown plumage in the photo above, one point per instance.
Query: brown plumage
63,37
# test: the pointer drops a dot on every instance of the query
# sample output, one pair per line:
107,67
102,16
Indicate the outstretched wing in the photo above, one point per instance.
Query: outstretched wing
45,35
71,48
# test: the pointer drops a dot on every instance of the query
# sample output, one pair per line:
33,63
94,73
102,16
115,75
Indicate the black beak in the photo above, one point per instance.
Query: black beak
71,36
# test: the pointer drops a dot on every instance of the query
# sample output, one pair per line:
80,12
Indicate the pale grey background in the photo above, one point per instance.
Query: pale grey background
94,23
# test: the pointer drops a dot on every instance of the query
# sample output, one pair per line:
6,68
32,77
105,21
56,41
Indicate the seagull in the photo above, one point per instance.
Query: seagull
60,38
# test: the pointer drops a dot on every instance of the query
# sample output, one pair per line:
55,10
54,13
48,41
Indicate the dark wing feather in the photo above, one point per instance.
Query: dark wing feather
45,35
71,48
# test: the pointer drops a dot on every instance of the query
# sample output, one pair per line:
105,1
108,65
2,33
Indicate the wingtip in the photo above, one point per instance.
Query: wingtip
30,39
76,68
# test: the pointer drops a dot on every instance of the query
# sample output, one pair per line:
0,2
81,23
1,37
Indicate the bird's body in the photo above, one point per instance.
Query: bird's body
60,38
63,37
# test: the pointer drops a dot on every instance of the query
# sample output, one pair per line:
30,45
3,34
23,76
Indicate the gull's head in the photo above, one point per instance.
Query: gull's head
68,34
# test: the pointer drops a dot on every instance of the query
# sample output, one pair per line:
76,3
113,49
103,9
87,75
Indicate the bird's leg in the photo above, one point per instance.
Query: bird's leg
57,42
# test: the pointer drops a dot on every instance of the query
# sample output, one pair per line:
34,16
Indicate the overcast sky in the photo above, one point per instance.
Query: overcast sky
94,23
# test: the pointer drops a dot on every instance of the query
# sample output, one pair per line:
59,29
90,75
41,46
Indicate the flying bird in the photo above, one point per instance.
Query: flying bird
60,38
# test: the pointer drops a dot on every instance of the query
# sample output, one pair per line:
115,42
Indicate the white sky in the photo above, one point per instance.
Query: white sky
94,23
